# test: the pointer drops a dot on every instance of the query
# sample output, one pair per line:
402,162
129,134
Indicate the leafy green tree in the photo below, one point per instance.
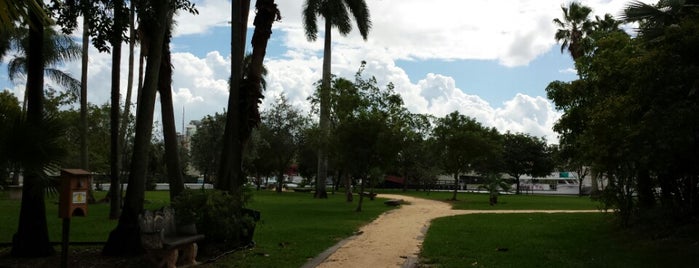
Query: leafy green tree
336,14
525,155
414,156
629,116
367,128
98,132
464,145
205,144
281,130
10,110
308,152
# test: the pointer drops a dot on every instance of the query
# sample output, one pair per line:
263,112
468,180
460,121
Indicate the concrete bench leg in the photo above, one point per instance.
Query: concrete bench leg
163,258
189,254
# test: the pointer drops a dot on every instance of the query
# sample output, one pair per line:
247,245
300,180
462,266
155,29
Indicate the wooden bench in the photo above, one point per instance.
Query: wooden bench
303,190
393,202
162,240
368,194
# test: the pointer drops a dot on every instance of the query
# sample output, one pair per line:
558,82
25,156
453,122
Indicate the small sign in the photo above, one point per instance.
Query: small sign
79,197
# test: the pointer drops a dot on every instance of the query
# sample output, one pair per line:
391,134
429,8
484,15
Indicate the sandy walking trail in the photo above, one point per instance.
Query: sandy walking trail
395,237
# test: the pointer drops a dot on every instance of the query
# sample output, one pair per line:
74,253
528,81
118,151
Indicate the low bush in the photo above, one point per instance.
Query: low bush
222,223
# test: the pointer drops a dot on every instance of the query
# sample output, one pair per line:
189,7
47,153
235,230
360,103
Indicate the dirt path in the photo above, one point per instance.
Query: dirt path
395,237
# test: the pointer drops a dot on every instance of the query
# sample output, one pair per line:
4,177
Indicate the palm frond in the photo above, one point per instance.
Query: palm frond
637,11
337,13
63,79
360,11
35,145
310,21
17,68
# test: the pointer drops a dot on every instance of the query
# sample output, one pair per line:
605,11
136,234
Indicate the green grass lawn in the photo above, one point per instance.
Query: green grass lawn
295,227
549,240
479,201
95,227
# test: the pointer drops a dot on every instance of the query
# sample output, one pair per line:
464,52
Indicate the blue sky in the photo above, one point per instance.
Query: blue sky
490,60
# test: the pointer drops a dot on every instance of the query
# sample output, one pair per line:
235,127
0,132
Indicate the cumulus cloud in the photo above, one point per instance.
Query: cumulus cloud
512,33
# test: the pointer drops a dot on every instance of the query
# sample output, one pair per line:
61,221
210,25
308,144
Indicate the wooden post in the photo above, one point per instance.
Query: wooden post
65,238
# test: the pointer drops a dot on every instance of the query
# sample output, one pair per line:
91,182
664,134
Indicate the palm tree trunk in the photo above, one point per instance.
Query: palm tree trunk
172,157
324,116
114,154
125,240
229,175
84,156
84,160
115,195
32,237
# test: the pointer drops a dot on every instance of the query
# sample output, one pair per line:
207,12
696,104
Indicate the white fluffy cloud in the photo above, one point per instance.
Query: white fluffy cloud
510,32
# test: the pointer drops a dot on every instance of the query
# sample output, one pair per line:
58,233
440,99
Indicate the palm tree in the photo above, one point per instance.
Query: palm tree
172,159
31,238
654,18
494,183
336,14
606,24
246,85
231,155
574,29
58,48
12,11
115,195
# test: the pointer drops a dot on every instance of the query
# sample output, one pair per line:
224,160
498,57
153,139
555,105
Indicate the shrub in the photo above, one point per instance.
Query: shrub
215,216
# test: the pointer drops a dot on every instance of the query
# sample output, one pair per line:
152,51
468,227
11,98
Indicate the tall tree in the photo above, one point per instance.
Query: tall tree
115,195
32,238
125,239
246,91
463,144
573,29
281,129
206,144
336,14
525,155
174,166
229,171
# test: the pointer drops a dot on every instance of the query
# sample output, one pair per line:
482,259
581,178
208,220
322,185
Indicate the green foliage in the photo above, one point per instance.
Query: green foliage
368,120
494,183
280,136
632,116
464,145
58,48
206,144
525,155
216,216
295,228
